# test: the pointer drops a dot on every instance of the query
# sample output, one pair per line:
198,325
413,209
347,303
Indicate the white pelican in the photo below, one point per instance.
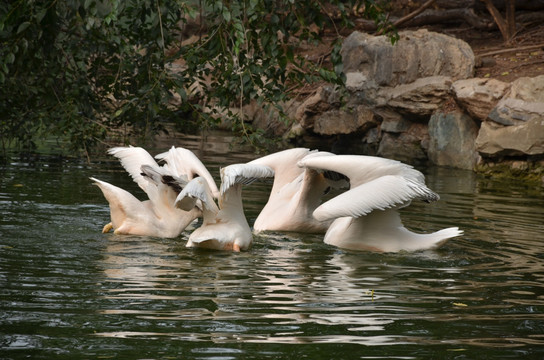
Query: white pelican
224,227
296,193
366,216
157,216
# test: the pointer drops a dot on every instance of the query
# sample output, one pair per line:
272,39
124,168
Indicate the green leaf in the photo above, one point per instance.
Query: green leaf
226,14
183,94
10,58
40,15
23,27
238,27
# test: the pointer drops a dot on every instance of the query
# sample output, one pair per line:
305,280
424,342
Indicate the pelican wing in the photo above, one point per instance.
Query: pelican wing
122,203
361,169
180,161
196,189
379,194
243,174
284,164
132,159
155,176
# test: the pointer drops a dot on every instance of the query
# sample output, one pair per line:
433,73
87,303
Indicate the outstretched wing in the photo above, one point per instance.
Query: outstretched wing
361,169
132,158
379,194
243,174
183,162
284,164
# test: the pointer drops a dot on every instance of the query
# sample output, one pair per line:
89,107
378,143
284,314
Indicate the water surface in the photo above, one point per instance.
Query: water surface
69,291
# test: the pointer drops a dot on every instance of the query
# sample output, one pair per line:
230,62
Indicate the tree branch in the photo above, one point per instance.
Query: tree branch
504,51
414,13
499,20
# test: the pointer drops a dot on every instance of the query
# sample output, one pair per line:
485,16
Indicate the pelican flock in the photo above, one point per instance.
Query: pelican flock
364,215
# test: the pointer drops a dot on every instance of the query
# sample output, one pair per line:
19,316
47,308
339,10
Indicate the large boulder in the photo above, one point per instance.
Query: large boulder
334,122
451,140
372,61
524,139
515,126
421,97
478,96
524,101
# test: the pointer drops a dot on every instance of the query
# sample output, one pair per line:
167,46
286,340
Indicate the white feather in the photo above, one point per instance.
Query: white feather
196,189
361,169
179,161
295,194
379,194
365,217
243,174
132,159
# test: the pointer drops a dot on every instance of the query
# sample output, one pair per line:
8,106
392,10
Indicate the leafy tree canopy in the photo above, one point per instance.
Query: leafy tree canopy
79,70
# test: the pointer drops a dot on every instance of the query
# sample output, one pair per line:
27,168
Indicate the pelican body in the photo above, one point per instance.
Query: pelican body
224,227
295,194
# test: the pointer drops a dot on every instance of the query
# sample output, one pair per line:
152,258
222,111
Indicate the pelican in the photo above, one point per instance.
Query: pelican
366,216
157,216
224,227
295,194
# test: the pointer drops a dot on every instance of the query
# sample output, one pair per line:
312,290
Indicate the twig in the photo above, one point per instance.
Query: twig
160,26
504,51
534,62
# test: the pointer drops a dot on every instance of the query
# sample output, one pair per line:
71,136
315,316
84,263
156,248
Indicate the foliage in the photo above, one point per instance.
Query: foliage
81,70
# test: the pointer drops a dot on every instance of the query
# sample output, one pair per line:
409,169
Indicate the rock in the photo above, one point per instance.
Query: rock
395,125
451,140
421,98
485,62
372,137
479,96
268,118
355,81
514,111
528,89
334,122
315,105
294,132
523,102
526,138
371,61
409,146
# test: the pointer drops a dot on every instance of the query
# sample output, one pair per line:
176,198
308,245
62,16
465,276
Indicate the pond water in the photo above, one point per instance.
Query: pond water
69,291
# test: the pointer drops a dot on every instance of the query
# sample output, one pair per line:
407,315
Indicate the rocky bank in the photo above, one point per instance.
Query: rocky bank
417,101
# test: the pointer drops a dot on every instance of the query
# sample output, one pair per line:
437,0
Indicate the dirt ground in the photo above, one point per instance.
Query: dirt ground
523,57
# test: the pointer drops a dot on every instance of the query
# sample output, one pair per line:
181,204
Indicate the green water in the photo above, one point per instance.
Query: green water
67,291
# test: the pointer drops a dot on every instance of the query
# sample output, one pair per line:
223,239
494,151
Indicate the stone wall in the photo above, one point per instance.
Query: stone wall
417,101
